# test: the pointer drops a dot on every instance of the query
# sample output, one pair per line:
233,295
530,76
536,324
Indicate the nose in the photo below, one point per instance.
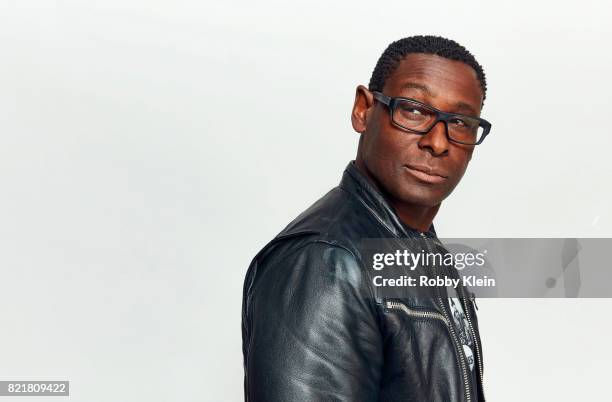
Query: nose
436,140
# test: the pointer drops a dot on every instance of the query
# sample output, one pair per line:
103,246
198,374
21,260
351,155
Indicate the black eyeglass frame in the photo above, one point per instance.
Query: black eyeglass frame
441,116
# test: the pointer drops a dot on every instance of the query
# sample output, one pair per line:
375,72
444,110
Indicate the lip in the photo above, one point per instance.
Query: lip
426,174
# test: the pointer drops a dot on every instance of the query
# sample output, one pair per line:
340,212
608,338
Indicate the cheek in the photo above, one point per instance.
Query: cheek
383,141
462,161
392,146
388,154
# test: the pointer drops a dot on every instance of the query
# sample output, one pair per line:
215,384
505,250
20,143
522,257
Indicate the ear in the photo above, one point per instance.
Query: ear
362,108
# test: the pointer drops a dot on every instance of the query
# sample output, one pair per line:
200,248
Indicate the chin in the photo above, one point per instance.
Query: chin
426,202
419,196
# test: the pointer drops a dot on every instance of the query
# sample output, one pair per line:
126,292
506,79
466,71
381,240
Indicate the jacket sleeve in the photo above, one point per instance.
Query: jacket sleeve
313,329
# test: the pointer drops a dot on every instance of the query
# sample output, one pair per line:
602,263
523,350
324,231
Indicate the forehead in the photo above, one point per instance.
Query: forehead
447,81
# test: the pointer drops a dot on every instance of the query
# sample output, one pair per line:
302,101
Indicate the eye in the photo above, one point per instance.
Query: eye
411,110
459,122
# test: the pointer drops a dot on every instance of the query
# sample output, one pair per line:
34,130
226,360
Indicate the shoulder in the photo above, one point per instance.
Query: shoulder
310,261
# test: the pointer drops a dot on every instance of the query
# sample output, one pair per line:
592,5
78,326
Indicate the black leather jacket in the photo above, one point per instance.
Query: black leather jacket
314,329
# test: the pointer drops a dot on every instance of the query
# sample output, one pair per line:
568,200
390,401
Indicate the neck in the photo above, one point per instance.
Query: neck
415,216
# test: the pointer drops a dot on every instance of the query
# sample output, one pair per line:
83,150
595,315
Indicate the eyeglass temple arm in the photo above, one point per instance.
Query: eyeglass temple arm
381,97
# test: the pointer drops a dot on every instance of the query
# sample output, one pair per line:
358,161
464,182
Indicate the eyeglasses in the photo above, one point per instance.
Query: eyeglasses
416,117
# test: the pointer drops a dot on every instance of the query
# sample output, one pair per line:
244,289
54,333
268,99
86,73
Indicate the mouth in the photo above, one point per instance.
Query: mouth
426,174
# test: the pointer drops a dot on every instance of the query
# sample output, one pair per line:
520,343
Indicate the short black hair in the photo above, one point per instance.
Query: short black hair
429,44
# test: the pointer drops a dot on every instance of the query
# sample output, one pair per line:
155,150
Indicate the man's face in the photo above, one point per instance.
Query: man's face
394,158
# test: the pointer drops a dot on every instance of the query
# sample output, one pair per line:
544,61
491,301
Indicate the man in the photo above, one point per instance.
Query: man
314,326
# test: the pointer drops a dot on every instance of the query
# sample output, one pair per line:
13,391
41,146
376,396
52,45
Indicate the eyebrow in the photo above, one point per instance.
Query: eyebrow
421,87
424,88
466,107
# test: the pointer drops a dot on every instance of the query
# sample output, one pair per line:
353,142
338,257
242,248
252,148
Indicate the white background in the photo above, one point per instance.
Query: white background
149,149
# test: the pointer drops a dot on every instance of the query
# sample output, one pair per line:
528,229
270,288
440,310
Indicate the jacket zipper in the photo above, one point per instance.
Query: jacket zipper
397,305
477,346
462,361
